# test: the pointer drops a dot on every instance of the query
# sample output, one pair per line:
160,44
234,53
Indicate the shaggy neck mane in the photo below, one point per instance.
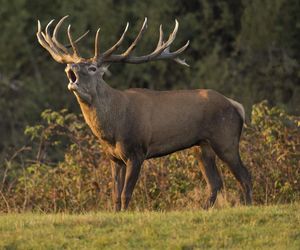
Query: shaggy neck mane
104,112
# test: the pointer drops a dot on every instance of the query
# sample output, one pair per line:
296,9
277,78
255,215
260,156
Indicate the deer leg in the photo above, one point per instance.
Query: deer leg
210,172
118,176
230,155
133,167
225,142
242,175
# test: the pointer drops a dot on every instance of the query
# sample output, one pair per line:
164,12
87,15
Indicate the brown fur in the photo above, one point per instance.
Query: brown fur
139,124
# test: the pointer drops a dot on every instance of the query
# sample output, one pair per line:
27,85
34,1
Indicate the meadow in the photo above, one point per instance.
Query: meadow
256,227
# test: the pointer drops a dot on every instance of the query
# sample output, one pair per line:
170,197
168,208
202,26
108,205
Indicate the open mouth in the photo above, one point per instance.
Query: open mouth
72,76
73,80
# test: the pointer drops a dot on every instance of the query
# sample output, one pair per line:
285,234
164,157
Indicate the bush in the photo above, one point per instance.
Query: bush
66,169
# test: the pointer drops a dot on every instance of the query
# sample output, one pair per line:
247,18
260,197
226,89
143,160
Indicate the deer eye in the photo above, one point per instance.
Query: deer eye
92,69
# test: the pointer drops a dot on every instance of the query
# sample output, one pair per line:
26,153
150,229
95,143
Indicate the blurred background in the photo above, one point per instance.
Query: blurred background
247,50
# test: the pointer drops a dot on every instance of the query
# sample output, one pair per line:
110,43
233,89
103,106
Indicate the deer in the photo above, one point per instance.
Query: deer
139,124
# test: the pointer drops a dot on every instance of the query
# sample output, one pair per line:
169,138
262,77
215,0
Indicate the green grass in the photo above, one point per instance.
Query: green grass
272,227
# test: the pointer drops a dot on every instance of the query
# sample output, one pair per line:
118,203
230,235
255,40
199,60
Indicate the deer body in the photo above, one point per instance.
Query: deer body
158,122
139,124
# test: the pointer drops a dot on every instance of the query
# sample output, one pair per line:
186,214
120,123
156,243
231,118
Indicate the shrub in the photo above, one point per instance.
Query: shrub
66,169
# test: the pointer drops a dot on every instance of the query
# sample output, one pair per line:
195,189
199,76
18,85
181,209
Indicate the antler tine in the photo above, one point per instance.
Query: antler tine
166,54
97,50
75,51
48,36
41,38
161,37
54,36
183,48
161,45
49,40
78,39
137,39
172,35
107,53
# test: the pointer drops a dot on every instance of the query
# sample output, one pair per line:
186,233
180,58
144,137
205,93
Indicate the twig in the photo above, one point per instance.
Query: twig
6,202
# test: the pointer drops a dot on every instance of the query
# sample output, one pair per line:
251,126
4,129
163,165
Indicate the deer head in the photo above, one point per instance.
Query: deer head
84,74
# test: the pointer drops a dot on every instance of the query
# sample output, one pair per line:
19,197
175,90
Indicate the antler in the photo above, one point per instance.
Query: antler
61,54
162,50
58,51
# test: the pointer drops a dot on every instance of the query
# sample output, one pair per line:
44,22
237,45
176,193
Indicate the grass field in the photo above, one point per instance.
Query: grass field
272,227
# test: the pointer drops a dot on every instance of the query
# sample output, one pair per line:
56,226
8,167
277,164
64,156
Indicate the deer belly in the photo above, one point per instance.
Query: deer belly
169,143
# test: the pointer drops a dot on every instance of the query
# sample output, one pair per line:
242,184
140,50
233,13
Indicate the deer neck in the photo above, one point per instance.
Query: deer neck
104,112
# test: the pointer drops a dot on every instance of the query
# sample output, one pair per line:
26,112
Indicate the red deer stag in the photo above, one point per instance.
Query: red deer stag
139,124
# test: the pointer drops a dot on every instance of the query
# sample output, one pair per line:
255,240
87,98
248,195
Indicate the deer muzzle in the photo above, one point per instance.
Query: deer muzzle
72,75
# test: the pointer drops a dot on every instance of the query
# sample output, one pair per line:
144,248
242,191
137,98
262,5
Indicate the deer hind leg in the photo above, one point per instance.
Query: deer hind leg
210,172
225,142
230,155
241,173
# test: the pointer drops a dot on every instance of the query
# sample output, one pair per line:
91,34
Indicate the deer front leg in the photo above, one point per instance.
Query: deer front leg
133,167
118,176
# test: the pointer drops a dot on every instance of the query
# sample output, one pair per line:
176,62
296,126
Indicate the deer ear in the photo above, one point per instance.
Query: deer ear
104,69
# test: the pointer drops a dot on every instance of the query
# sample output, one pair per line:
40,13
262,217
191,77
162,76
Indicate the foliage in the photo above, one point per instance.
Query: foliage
276,136
248,50
268,227
70,171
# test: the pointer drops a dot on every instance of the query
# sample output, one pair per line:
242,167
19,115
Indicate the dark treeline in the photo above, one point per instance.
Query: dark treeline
248,50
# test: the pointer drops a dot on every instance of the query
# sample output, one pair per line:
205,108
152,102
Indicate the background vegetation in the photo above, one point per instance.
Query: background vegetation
66,169
248,50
